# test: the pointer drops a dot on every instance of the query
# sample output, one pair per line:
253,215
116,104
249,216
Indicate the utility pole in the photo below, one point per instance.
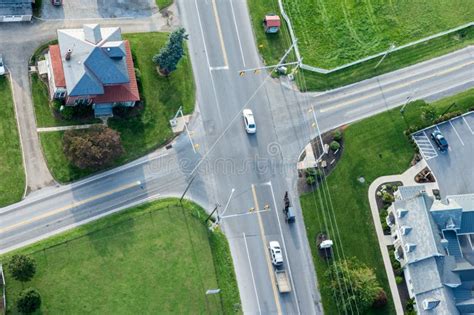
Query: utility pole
392,47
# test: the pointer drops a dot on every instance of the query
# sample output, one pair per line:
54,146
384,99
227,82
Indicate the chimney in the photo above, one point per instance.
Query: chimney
68,54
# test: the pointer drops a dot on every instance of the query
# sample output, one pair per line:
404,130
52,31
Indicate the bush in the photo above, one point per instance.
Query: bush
337,135
334,146
310,180
398,279
22,267
448,116
138,75
28,301
387,197
67,112
92,148
380,299
310,171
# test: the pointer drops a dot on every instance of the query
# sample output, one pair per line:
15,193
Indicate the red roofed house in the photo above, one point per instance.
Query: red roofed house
92,65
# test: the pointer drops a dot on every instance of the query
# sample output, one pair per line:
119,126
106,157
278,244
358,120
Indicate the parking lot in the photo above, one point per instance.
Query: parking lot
82,9
454,168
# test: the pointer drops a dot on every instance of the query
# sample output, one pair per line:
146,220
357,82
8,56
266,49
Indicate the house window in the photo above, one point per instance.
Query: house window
82,101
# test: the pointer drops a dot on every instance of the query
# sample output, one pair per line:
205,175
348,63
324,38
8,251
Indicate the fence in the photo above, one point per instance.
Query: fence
347,65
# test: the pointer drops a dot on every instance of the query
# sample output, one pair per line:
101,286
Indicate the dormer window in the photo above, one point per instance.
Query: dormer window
405,229
401,212
409,247
429,304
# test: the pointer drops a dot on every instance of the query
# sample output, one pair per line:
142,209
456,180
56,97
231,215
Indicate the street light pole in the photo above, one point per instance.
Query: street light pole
392,47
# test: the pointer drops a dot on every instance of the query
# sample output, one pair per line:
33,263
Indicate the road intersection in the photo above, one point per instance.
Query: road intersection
246,175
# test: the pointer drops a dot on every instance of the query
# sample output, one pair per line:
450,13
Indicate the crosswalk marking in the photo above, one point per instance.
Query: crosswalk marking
427,149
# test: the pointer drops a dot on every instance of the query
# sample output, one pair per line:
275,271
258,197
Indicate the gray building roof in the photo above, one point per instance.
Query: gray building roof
15,7
91,64
418,218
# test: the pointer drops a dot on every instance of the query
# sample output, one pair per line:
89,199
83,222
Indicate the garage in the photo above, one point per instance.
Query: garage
16,10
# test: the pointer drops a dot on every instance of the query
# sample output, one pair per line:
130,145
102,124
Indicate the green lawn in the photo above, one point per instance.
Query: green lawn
333,33
161,4
142,133
45,116
155,258
12,176
373,147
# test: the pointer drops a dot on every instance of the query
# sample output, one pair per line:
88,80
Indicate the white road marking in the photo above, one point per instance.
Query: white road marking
392,88
219,68
457,134
251,272
228,201
467,124
207,59
242,214
219,31
237,32
427,149
284,249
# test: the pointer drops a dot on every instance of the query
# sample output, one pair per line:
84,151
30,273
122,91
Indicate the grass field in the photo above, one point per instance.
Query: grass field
142,133
333,33
12,175
161,4
157,258
368,152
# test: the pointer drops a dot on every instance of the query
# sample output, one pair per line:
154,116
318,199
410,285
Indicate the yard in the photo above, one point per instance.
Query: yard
332,34
369,152
12,176
142,131
155,258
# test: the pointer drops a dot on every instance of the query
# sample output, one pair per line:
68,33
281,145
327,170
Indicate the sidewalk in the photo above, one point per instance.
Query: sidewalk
63,128
407,179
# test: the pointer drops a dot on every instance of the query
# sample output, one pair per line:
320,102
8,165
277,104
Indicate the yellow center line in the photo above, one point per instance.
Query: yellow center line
219,31
405,84
68,207
267,258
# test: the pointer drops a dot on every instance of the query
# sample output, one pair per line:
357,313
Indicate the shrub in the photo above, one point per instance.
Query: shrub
67,112
22,267
310,180
310,171
398,279
334,146
92,148
337,135
387,197
380,299
138,75
428,113
28,301
448,116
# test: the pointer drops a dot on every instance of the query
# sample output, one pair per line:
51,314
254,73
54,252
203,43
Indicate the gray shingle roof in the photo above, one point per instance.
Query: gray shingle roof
89,67
15,7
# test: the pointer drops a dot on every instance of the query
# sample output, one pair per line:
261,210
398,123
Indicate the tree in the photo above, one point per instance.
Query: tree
354,285
93,148
22,267
428,113
380,300
28,301
334,146
170,55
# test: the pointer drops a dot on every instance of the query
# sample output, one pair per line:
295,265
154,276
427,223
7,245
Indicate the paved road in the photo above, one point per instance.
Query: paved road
240,172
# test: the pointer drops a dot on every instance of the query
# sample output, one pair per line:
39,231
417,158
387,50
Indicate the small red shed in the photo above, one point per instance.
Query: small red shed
271,23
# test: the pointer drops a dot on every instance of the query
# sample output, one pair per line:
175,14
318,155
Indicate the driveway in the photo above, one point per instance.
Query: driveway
454,168
83,9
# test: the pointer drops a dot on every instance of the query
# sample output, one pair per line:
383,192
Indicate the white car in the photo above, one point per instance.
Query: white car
249,121
275,253
2,66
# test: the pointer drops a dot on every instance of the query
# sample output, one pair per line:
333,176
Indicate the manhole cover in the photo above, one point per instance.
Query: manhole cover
361,179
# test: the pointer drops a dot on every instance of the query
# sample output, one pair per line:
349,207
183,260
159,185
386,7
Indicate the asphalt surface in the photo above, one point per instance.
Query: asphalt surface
453,168
247,175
